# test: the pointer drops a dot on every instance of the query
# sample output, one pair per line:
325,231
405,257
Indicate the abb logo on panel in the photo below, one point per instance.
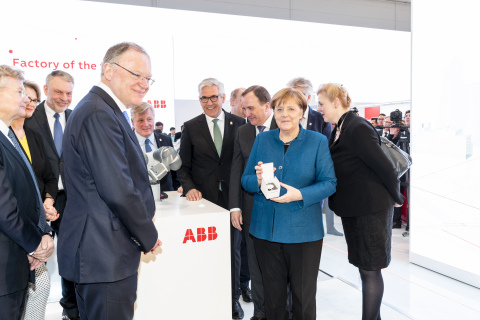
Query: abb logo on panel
158,104
201,235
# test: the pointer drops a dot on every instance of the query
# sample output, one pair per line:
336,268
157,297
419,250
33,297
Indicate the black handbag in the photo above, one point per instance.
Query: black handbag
399,158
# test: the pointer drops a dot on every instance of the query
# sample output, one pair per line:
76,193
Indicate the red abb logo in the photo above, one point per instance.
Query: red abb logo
158,104
201,236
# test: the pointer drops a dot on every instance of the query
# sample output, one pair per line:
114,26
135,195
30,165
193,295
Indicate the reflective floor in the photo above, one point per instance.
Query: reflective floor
411,292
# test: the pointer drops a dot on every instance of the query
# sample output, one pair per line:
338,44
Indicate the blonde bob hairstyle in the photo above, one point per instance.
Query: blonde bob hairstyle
334,90
289,96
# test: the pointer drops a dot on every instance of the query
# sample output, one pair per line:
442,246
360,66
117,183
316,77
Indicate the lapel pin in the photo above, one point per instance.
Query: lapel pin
310,124
231,122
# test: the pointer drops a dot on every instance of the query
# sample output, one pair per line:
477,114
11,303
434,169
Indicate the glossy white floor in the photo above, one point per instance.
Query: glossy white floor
411,292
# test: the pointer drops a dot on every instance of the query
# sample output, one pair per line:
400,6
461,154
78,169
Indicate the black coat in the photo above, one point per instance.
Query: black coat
366,180
202,168
239,197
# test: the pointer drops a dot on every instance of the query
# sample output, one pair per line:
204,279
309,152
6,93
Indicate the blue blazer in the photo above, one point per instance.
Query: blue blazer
307,166
107,222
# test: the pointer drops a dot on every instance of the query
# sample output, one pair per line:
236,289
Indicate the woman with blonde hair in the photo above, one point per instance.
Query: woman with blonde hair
367,190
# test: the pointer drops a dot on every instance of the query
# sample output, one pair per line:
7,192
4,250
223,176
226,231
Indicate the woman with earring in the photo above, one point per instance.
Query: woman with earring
367,191
32,146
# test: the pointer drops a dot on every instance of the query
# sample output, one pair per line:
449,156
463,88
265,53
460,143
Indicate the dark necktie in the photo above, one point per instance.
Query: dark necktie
57,134
260,128
42,219
147,145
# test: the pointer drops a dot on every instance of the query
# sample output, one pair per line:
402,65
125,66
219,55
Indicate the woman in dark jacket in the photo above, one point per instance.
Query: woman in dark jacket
32,146
367,190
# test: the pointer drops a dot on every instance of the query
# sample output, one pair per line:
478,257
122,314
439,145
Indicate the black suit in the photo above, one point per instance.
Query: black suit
19,231
166,183
317,123
239,198
46,181
38,123
108,217
366,180
203,169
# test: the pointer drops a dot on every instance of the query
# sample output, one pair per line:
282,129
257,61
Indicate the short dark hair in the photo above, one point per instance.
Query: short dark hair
172,128
260,92
158,123
408,111
382,114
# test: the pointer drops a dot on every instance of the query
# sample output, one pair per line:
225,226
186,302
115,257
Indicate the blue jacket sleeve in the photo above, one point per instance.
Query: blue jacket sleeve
325,180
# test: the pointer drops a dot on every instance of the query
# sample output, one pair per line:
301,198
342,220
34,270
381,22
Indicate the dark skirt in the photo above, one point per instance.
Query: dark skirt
369,239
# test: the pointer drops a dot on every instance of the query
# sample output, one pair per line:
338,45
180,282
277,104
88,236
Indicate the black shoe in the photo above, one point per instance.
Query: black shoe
237,311
247,294
257,318
397,225
334,232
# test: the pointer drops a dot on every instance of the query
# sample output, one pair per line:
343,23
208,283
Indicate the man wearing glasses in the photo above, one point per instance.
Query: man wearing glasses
48,121
207,152
24,239
108,217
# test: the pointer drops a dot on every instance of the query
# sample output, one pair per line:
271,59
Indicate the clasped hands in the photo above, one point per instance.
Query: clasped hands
43,252
293,194
50,211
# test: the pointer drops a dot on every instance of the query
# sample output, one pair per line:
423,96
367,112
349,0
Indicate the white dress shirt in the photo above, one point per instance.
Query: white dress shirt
221,123
141,141
51,123
4,129
267,124
304,120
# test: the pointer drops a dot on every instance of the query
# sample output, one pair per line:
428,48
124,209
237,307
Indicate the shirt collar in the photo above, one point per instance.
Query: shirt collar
4,129
141,139
268,123
49,111
114,97
220,118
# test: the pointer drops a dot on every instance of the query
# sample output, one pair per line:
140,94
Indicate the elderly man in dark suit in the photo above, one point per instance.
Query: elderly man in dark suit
143,118
108,218
48,121
24,239
256,104
206,151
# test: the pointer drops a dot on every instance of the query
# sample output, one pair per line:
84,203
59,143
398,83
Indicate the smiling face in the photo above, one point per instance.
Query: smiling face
128,88
58,93
212,109
288,116
12,102
144,123
32,105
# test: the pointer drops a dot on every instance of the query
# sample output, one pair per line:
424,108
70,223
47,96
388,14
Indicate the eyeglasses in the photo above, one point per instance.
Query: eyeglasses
150,81
20,92
212,98
36,101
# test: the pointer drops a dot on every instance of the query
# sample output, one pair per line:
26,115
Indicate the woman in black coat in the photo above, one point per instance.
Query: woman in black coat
32,146
367,191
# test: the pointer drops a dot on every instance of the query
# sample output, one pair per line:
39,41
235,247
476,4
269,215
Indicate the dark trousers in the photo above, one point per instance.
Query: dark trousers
69,299
255,275
107,300
11,305
297,263
235,257
244,271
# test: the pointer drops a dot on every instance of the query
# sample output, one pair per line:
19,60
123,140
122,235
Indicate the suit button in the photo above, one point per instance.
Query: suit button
280,168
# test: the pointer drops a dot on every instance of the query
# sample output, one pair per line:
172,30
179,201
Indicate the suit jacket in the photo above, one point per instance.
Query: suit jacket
366,180
38,122
107,222
19,232
307,166
239,197
166,183
46,181
317,123
202,168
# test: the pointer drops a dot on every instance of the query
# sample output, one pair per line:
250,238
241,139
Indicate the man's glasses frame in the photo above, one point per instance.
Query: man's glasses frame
150,81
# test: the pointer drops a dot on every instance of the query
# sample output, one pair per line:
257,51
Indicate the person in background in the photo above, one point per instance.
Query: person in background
387,123
32,147
172,134
288,230
236,103
367,190
159,127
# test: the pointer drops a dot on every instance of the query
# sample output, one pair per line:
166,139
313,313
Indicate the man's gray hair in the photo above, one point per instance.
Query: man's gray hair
211,82
59,73
141,109
113,53
9,72
300,82
235,93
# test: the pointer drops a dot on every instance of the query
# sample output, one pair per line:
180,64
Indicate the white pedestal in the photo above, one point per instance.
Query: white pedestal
189,276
